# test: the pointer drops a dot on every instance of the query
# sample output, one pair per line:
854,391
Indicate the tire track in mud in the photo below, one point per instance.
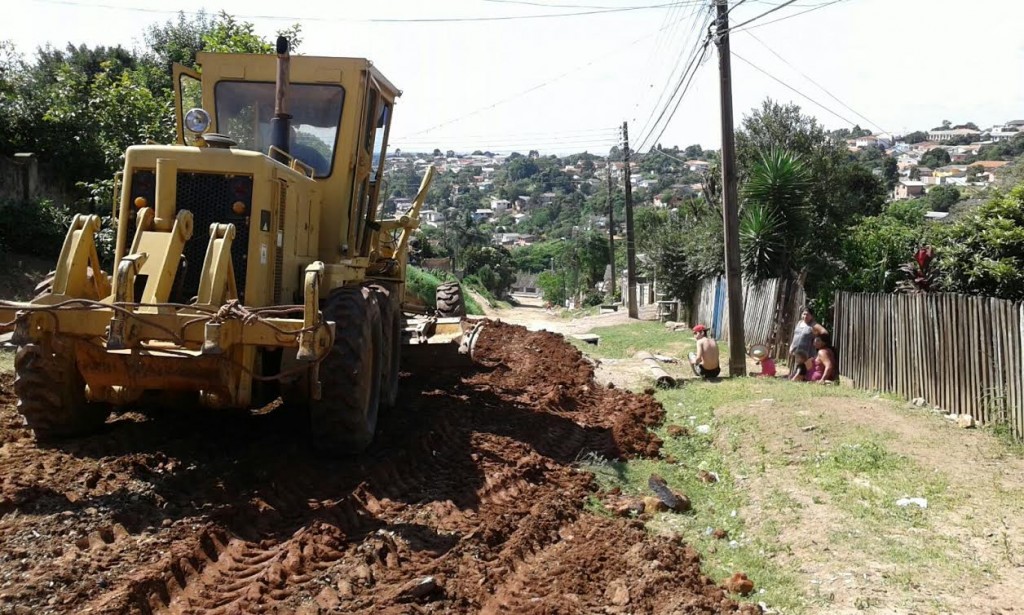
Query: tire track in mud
469,501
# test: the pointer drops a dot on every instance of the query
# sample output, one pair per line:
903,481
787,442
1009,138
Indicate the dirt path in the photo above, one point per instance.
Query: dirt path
470,501
839,524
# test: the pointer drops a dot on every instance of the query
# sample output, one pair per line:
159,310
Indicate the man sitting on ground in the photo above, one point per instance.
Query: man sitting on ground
705,360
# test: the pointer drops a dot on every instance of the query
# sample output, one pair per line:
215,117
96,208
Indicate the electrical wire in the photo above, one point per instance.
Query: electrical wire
534,88
420,20
768,12
679,59
786,85
820,87
815,8
648,128
667,33
699,62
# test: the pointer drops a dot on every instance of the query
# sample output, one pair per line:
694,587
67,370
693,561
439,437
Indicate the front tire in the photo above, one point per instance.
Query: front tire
51,393
449,299
344,419
391,322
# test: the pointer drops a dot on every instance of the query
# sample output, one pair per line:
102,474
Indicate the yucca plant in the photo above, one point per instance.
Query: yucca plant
773,227
762,241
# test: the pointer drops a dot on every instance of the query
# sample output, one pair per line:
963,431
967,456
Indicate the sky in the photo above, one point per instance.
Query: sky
566,84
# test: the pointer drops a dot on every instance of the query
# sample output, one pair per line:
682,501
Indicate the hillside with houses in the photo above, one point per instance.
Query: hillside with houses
518,200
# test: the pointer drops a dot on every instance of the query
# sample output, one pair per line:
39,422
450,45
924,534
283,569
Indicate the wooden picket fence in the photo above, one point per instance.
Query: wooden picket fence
770,310
961,353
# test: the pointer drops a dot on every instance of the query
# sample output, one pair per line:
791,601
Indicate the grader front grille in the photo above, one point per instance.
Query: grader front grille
211,198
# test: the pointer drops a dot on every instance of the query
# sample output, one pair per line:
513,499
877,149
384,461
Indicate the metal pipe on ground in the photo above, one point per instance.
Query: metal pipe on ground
661,377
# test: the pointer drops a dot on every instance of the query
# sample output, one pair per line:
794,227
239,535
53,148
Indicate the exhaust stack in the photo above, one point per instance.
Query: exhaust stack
280,124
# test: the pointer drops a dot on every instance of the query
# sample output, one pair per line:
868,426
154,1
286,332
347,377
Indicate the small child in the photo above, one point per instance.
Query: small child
763,358
799,371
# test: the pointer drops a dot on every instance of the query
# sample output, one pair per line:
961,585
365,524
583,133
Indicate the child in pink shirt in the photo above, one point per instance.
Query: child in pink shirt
761,355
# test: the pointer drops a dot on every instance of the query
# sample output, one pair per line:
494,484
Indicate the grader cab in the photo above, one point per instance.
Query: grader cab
251,262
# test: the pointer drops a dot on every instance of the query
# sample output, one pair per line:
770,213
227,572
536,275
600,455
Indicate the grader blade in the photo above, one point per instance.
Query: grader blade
431,343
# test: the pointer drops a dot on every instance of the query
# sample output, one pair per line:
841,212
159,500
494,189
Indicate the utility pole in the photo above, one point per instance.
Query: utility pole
611,226
730,205
630,240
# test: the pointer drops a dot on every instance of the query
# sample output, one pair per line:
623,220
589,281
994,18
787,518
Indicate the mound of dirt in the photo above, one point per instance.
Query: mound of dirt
469,501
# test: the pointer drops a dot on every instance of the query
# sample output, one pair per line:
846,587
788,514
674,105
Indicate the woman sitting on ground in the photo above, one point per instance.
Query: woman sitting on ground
799,371
825,370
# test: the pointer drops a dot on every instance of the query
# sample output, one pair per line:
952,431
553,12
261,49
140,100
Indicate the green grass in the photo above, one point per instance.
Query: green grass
716,505
6,360
624,341
858,473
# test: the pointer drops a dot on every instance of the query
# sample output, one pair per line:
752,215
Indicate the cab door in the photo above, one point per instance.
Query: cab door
188,94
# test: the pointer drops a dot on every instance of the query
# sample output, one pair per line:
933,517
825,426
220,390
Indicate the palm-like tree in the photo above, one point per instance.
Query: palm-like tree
773,226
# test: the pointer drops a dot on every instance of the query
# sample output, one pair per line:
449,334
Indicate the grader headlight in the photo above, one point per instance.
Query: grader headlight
197,121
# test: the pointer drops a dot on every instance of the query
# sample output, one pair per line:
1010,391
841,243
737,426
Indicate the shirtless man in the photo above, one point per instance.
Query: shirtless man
705,360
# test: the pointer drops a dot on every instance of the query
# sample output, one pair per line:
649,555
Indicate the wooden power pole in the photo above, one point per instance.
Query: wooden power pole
730,204
630,240
611,227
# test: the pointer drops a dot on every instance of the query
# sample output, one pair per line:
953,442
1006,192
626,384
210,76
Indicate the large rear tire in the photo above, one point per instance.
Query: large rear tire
51,393
450,302
391,322
344,419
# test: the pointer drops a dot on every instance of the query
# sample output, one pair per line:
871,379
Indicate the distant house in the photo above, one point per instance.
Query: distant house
950,170
431,217
990,165
500,206
482,214
547,198
865,141
953,133
697,165
908,189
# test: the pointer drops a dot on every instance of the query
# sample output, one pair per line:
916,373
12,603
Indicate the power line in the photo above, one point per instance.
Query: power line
670,24
680,55
815,8
768,12
525,135
534,88
565,6
93,5
648,128
783,83
679,100
682,86
821,87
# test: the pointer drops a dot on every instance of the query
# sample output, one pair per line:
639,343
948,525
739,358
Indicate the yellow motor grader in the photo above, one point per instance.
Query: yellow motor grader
251,262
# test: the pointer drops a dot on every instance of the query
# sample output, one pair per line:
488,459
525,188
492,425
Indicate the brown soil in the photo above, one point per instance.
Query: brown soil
469,501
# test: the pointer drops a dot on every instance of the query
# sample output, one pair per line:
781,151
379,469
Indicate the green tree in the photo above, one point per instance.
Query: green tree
492,266
918,136
941,198
891,172
935,158
875,248
983,252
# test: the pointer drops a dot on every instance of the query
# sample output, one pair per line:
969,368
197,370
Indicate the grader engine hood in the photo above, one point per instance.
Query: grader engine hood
196,228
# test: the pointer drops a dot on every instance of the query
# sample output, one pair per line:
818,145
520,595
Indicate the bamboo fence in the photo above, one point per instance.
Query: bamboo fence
770,310
960,353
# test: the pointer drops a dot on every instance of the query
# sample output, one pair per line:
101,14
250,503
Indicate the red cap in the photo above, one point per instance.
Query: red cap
699,328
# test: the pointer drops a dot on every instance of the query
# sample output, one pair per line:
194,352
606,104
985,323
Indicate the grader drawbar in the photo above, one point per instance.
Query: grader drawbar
251,262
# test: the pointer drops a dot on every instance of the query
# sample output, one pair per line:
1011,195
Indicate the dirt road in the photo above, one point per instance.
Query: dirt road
469,501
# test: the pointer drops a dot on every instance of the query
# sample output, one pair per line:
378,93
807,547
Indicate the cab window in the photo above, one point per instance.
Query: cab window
244,111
